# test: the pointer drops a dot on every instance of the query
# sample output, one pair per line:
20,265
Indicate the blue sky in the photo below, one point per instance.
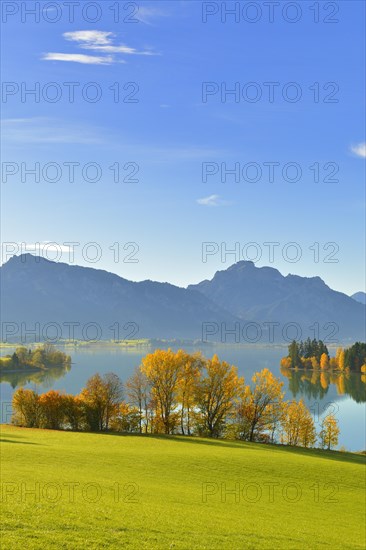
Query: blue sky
171,130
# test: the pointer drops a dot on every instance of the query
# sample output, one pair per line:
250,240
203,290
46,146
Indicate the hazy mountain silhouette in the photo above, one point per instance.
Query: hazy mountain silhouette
35,290
38,290
359,297
264,294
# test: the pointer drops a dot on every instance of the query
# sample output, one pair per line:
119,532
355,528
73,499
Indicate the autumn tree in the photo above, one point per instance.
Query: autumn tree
126,419
324,361
73,411
216,394
190,371
329,432
163,368
340,357
274,417
262,406
101,396
26,409
37,358
298,428
23,355
51,410
139,395
286,362
291,423
307,430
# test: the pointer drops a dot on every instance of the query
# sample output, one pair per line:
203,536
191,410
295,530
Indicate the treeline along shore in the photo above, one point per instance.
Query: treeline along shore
180,393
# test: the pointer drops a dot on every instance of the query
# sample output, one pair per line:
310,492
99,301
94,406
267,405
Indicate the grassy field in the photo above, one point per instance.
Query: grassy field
89,491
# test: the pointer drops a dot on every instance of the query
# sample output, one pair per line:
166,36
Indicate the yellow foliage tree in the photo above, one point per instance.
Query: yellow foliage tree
138,392
286,362
190,371
52,410
298,425
163,370
341,359
26,409
126,419
73,410
216,395
333,363
324,361
102,396
329,432
261,407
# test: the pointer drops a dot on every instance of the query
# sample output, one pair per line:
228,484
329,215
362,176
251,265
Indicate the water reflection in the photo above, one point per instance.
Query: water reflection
44,377
315,384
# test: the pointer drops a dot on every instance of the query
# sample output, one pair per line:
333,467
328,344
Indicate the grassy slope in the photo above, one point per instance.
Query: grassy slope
169,512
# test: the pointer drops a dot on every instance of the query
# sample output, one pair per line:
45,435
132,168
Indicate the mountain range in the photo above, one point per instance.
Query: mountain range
58,296
359,297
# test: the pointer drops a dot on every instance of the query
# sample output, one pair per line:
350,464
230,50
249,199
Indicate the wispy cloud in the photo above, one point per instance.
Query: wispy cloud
102,41
147,14
45,131
49,130
79,58
211,200
359,150
95,37
95,41
44,247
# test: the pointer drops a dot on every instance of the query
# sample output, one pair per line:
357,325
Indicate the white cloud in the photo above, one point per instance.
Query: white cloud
95,41
89,37
359,150
79,58
44,247
117,49
212,200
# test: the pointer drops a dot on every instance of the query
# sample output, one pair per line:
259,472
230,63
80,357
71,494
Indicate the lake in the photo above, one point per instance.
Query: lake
344,395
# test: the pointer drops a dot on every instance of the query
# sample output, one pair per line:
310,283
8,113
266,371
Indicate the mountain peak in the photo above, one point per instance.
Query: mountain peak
26,257
243,264
249,268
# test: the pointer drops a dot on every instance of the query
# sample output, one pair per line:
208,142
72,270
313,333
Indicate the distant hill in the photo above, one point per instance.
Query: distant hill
44,292
264,294
35,290
359,297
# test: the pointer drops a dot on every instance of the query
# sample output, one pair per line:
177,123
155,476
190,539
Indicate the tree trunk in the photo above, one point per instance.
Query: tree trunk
251,432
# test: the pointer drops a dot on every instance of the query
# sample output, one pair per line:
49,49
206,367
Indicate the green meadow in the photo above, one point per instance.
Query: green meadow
88,491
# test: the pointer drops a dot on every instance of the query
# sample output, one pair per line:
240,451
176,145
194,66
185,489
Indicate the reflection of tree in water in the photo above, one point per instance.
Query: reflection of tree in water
44,377
315,383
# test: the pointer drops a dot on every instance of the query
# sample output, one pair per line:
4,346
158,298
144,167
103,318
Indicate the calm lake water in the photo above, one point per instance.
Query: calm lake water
345,396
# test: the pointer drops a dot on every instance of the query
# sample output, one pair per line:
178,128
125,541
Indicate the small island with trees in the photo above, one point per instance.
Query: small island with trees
42,358
314,354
